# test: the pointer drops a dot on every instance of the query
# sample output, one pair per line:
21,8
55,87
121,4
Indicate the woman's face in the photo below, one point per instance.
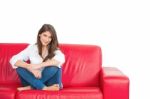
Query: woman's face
45,38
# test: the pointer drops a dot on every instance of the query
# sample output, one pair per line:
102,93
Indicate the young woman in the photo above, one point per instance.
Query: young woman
46,59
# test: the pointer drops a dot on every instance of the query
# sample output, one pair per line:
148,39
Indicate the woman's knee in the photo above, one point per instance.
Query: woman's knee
50,70
54,68
21,70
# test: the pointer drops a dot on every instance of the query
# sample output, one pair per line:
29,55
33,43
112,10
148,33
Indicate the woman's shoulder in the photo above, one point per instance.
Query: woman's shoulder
32,47
58,50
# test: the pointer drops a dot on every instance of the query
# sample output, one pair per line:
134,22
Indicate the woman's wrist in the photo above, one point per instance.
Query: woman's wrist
28,67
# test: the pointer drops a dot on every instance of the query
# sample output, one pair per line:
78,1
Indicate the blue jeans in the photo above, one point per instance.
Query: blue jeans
50,75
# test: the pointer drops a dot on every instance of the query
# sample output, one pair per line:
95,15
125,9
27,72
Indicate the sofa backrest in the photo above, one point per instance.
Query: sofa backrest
81,68
7,50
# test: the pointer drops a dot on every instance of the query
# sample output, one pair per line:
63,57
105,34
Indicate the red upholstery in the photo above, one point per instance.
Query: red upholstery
7,94
83,76
82,66
115,84
7,74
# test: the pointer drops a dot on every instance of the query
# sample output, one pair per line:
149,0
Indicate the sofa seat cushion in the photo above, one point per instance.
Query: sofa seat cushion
66,93
81,93
7,94
8,91
81,89
37,94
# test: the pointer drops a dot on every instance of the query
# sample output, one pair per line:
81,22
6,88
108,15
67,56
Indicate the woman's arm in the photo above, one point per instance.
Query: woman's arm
50,62
21,63
29,67
19,58
25,65
57,60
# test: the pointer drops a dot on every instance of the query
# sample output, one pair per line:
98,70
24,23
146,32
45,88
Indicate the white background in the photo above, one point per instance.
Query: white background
120,27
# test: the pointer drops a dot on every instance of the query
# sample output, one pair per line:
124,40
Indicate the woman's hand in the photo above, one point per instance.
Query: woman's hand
36,66
36,72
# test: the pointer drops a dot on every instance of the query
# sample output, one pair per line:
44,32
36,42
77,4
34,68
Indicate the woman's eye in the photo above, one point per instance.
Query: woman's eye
44,35
50,37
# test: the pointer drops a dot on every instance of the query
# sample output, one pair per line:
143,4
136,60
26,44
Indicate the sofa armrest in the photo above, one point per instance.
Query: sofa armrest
114,84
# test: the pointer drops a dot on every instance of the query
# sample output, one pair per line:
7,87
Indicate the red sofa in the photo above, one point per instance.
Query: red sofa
83,75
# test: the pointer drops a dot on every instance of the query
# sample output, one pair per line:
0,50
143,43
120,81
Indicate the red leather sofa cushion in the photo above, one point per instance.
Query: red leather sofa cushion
7,93
115,84
66,93
7,74
82,66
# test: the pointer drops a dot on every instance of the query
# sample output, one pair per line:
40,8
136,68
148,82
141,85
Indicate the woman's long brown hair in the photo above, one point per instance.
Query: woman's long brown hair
52,46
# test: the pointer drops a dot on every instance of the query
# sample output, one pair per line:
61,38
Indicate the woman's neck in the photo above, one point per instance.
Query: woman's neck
44,51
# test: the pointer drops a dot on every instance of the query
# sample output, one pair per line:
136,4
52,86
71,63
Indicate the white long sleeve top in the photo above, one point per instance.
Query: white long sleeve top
31,53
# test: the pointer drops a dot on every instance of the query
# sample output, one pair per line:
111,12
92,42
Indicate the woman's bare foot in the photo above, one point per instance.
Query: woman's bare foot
54,87
24,88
